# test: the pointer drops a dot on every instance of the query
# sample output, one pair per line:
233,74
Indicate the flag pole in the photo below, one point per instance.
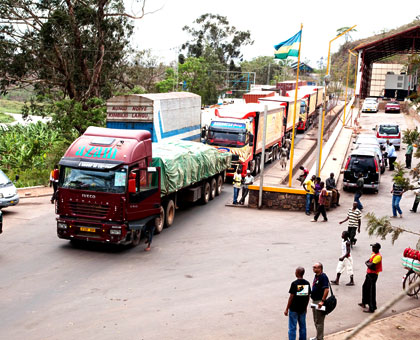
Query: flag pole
292,150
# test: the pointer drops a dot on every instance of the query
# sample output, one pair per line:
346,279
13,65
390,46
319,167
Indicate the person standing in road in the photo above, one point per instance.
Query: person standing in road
408,156
309,187
54,176
392,156
345,261
320,290
416,199
374,267
354,216
359,190
248,180
397,192
299,291
237,180
322,199
332,186
317,191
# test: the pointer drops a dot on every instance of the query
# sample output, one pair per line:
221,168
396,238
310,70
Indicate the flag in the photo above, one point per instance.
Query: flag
288,48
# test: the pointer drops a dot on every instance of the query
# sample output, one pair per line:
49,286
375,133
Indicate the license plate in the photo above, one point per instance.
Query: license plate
89,230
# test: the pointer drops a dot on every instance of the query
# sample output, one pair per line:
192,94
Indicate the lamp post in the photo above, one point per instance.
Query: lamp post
347,84
327,74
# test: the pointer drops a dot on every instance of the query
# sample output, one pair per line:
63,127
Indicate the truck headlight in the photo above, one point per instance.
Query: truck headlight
61,225
115,232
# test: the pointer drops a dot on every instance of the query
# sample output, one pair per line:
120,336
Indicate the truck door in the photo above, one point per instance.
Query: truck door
143,193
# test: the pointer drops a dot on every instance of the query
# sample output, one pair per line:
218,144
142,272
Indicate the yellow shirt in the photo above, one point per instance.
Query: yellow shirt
309,187
237,178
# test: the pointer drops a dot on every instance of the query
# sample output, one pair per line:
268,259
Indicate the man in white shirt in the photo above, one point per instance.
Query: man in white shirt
392,155
248,180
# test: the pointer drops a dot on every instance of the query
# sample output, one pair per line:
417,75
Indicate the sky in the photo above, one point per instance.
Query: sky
270,22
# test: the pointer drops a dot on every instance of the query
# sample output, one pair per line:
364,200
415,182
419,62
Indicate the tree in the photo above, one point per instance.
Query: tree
266,69
347,35
72,48
214,31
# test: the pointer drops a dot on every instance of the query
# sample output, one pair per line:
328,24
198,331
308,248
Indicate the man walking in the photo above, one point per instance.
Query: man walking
397,192
309,187
345,261
392,156
237,180
354,216
374,267
297,304
416,199
359,190
248,180
332,186
320,290
322,199
408,156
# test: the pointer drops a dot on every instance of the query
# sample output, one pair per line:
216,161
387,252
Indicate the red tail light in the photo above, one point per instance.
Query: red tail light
377,134
399,134
376,165
347,164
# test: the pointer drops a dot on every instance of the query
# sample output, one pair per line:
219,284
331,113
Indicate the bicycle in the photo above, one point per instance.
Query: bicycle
409,279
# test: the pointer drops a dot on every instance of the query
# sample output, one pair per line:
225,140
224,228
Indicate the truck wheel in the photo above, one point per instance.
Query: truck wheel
160,221
219,185
169,213
213,189
206,193
135,237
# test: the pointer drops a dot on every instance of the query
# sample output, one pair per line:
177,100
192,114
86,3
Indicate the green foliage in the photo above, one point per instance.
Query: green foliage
399,177
268,68
4,118
11,106
411,136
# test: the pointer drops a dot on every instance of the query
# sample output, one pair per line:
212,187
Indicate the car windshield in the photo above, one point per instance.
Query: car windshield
225,138
388,130
113,181
4,179
362,164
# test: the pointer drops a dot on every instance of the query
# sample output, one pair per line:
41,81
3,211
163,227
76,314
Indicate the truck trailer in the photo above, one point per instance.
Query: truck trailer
114,183
238,129
171,116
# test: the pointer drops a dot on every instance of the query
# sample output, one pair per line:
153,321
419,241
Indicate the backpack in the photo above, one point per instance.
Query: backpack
330,303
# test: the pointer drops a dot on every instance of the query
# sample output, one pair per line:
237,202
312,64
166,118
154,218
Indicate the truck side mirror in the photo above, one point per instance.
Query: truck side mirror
203,132
132,186
251,139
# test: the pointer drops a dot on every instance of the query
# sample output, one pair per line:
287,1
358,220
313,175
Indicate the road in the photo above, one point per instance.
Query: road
218,273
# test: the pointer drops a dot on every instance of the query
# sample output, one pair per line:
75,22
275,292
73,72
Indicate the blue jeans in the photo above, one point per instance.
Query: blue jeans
235,195
357,200
396,205
295,318
309,198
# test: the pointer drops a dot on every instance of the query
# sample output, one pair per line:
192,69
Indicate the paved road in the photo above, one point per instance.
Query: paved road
218,273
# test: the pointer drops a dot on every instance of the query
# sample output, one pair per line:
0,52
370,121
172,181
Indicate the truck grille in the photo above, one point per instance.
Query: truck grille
86,209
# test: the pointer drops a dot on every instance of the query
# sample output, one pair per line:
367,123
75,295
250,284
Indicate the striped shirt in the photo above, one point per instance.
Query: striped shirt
397,190
354,217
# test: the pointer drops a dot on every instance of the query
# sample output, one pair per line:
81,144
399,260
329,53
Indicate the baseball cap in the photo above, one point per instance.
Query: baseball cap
248,171
376,245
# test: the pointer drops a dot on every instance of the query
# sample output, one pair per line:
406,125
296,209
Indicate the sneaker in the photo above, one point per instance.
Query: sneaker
394,216
314,220
350,284
362,305
334,283
367,310
312,338
307,213
325,221
147,249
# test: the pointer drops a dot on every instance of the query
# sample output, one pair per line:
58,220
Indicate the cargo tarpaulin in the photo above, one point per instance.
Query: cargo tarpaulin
184,163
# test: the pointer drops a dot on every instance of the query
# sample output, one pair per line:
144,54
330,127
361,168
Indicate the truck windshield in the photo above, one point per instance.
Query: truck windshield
225,138
113,181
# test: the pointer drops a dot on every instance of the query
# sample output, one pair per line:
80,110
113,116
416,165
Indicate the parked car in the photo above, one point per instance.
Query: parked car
393,106
362,161
389,132
8,192
378,151
367,140
370,105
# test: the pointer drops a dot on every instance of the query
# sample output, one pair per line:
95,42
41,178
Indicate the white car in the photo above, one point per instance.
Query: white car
370,105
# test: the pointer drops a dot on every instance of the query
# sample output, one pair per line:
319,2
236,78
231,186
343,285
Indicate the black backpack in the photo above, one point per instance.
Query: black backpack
330,303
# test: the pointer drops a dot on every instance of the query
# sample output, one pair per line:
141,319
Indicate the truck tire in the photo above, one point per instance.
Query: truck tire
219,185
206,193
160,221
169,213
135,237
213,188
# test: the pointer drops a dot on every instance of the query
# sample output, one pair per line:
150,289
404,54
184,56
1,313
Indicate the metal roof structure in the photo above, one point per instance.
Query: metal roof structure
405,42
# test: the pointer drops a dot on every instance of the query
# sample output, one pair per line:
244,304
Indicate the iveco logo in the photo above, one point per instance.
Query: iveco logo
88,196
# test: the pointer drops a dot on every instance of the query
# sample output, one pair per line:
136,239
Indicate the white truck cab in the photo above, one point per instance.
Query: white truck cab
8,192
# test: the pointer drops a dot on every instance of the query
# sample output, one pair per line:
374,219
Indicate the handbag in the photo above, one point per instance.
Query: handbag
330,303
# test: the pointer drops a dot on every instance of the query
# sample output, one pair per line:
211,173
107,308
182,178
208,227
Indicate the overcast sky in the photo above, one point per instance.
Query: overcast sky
271,22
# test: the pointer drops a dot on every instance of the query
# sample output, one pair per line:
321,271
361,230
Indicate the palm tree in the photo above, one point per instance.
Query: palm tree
347,36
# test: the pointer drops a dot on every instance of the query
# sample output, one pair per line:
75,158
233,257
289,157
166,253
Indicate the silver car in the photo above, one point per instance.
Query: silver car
389,132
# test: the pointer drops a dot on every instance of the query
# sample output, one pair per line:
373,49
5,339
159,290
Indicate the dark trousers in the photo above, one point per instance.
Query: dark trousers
369,291
150,230
321,210
55,187
408,160
352,233
391,162
357,196
245,192
415,205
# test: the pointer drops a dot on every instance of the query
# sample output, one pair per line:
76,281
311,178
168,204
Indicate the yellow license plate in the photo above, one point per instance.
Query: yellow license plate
90,230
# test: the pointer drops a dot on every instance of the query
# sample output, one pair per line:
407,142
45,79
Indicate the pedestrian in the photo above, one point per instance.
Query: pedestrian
360,183
317,191
288,145
309,187
150,230
397,192
354,216
237,181
247,181
320,290
408,156
374,267
303,174
322,199
345,261
332,186
392,156
416,199
54,176
283,157
299,291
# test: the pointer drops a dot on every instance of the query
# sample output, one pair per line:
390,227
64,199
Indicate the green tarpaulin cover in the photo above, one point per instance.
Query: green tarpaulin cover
184,163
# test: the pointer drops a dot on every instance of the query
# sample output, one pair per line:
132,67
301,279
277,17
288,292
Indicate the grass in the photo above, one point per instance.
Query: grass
11,106
4,118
